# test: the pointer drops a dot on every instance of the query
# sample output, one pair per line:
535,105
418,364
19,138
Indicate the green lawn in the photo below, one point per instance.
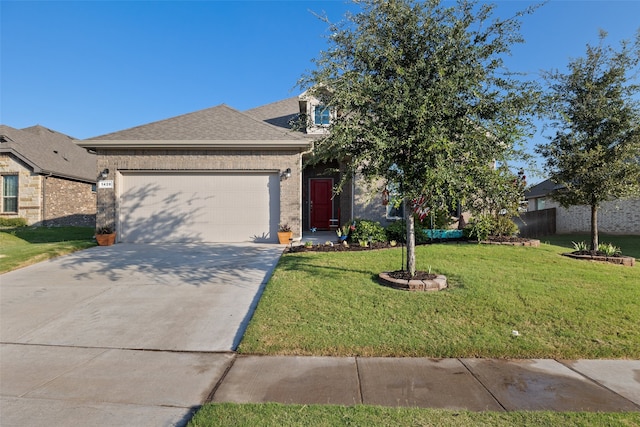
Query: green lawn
331,304
24,246
630,245
316,415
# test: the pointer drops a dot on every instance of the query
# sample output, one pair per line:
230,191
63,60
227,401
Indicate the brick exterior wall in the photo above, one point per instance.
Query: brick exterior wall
616,217
50,201
202,160
29,189
68,202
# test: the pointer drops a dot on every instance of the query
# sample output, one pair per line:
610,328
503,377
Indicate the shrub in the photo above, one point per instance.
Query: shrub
398,231
504,226
609,249
480,227
580,246
13,222
365,228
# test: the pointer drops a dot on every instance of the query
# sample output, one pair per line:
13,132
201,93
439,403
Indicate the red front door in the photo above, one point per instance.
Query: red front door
321,203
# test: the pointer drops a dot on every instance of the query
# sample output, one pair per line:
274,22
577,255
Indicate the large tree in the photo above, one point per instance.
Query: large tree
595,152
422,99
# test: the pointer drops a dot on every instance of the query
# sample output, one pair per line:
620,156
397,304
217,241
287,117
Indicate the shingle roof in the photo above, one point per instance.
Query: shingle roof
542,189
48,151
279,113
220,123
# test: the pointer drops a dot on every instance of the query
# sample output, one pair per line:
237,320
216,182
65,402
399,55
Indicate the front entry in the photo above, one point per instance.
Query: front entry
320,202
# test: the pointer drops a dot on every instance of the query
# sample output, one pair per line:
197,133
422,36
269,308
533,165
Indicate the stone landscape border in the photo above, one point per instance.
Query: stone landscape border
436,284
620,260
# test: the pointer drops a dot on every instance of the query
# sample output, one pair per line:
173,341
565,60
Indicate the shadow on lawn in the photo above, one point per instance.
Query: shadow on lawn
51,234
302,264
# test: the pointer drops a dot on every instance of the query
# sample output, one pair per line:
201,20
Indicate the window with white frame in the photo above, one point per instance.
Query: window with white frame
321,115
9,193
395,211
395,207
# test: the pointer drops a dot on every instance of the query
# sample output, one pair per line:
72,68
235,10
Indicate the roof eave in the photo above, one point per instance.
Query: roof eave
40,171
17,154
195,144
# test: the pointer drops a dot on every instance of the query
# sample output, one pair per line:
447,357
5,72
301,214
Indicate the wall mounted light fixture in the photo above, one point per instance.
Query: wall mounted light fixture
286,174
104,174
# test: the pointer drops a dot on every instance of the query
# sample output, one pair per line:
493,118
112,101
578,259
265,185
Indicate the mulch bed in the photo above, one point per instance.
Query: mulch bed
338,247
352,247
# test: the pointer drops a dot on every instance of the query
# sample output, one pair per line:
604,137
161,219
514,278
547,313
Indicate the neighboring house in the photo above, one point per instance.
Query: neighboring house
46,178
614,217
221,175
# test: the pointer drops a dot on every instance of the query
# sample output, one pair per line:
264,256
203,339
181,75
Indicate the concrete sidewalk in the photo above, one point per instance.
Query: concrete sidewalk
473,384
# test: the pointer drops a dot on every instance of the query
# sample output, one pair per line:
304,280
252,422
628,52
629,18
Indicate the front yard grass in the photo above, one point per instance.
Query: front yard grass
273,414
331,304
23,246
630,245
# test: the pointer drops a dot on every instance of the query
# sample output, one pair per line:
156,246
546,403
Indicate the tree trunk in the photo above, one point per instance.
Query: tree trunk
594,227
411,238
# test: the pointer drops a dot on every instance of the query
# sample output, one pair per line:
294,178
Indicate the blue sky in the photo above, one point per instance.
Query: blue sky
86,68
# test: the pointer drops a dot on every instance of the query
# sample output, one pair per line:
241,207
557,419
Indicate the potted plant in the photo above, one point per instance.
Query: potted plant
285,235
105,236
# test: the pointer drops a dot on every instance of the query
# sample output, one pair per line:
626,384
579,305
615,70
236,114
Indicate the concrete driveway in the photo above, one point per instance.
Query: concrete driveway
126,334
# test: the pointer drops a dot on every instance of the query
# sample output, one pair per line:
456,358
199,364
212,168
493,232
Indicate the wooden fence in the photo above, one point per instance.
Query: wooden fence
537,223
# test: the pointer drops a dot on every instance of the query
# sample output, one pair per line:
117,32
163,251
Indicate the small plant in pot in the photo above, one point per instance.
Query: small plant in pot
285,235
105,236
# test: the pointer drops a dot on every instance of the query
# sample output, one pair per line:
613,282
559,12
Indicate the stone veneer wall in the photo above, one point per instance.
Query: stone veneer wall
68,202
616,217
29,189
203,160
367,202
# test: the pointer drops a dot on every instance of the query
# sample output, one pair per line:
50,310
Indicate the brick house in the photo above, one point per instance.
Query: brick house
46,178
221,175
620,216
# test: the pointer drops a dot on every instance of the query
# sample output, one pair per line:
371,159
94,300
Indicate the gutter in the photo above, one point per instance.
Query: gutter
191,144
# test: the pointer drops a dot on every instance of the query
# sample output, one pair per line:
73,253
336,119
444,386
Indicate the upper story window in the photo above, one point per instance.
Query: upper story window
321,115
10,193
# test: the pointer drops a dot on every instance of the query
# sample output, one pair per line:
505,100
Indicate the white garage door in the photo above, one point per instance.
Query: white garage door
199,207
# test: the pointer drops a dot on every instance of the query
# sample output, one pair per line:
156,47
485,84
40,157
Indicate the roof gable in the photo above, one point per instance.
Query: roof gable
280,113
49,152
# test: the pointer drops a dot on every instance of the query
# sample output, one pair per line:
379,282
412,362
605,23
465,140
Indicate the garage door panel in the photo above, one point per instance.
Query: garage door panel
194,207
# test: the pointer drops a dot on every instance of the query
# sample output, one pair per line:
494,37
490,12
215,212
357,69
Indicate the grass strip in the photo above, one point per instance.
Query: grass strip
273,414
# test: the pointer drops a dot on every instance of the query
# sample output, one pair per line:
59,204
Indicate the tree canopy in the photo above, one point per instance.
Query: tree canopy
421,96
595,152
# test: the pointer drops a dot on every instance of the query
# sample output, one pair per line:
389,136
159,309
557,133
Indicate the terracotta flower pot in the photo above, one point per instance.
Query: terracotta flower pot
284,237
106,239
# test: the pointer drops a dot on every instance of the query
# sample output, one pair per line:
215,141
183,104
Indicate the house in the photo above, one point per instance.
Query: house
614,217
221,175
46,178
